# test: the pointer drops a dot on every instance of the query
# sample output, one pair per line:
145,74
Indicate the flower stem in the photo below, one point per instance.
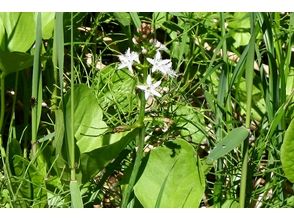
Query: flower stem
139,155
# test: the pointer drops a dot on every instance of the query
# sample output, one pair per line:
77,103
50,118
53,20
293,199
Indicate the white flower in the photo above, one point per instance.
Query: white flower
163,66
149,89
159,45
128,59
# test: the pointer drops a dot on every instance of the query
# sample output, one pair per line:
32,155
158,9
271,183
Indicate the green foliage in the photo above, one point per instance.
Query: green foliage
77,130
11,62
20,30
287,150
172,177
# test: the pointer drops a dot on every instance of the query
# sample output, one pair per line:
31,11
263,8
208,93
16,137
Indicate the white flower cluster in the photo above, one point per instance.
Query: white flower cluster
163,66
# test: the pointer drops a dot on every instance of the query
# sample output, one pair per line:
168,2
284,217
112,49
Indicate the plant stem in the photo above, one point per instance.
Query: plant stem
2,78
72,140
139,155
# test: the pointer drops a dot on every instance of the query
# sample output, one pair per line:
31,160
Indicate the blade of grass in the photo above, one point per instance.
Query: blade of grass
249,87
37,86
220,115
136,19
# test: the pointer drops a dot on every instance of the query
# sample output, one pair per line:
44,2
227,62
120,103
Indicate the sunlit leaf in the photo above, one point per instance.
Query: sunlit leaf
233,139
172,177
20,30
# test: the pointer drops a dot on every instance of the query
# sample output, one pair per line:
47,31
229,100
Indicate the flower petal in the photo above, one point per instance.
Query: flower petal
149,80
155,85
154,92
144,88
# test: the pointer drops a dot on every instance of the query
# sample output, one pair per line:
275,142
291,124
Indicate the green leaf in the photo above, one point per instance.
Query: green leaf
230,203
136,19
2,36
14,61
96,147
88,123
287,152
240,20
48,19
190,122
158,18
233,139
172,178
20,30
123,17
241,39
12,150
30,181
108,147
239,25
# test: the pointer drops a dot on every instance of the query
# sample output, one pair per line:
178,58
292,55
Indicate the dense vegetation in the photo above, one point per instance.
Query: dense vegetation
146,110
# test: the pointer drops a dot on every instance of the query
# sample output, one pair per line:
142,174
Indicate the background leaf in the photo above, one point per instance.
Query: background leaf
287,152
14,61
233,139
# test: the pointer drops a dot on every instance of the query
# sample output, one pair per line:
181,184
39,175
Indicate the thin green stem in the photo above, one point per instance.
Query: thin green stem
72,140
2,78
140,151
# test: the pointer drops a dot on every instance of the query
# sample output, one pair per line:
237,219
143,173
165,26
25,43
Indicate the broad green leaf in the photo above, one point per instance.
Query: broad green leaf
172,178
287,152
233,139
96,145
88,123
241,39
107,148
48,19
240,20
239,25
20,30
14,61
